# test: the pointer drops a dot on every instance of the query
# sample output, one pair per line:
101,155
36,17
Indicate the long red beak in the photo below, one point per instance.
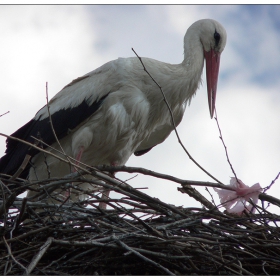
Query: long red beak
212,71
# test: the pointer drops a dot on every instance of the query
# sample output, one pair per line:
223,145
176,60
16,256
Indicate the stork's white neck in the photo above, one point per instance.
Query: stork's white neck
193,56
187,77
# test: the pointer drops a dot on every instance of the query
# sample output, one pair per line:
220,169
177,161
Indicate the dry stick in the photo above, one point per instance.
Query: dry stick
273,181
192,192
160,175
39,255
262,196
146,172
143,171
42,150
22,211
98,174
60,152
173,122
74,162
221,137
4,114
110,245
111,226
77,165
24,163
3,208
15,239
22,167
123,245
51,123
101,176
11,255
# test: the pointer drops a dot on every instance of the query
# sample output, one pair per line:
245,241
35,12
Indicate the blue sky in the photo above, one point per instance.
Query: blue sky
56,44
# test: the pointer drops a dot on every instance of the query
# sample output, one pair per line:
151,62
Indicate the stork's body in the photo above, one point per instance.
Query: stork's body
116,110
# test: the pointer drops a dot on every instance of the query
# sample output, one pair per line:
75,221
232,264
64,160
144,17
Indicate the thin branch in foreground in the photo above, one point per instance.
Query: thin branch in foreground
124,246
11,255
4,114
182,182
51,123
39,255
22,167
221,137
173,122
273,181
182,240
148,172
192,192
42,150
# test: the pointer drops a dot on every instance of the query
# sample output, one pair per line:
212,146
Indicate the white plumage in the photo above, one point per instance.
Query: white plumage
116,110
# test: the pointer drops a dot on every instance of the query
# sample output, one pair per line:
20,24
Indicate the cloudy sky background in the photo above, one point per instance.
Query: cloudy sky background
56,44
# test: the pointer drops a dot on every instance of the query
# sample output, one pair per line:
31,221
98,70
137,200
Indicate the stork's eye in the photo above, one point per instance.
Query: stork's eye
217,37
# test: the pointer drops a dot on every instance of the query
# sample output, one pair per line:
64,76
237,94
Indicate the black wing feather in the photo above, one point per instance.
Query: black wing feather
63,121
142,152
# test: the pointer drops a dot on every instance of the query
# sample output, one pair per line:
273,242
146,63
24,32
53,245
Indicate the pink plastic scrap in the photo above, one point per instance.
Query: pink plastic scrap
240,196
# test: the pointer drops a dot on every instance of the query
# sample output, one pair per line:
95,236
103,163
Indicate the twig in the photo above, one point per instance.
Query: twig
24,163
185,222
269,198
51,123
263,264
273,181
111,226
160,175
123,245
197,196
39,255
3,207
78,163
11,255
4,114
22,211
173,122
221,137
42,150
25,235
22,167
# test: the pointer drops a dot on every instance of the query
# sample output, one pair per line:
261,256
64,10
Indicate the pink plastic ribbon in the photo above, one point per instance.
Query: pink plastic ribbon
237,200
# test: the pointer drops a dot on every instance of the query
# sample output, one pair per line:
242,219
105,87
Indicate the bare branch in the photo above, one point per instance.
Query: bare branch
4,114
39,255
173,122
22,167
123,245
42,150
273,181
11,255
197,196
51,123
160,175
221,137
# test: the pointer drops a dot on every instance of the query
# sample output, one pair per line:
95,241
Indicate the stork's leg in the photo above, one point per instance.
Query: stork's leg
67,193
78,157
105,194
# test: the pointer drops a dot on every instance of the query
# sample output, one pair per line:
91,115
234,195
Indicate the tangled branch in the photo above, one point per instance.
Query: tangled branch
137,235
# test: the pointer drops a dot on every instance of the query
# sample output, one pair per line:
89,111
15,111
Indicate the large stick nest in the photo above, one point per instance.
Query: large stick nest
136,235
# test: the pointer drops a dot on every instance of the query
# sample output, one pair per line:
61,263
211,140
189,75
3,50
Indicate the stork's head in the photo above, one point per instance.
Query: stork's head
213,38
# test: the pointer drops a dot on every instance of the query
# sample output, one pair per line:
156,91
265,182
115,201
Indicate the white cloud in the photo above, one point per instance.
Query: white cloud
39,44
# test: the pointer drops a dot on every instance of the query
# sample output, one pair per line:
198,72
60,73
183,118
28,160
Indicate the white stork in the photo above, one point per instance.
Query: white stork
116,110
